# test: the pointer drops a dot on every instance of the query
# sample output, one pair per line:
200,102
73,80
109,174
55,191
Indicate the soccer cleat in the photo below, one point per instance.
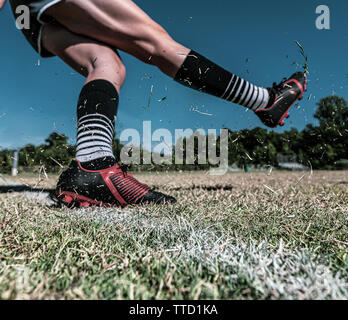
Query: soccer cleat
78,187
285,95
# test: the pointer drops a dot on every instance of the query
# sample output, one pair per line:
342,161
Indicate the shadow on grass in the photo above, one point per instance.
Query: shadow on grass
22,188
217,187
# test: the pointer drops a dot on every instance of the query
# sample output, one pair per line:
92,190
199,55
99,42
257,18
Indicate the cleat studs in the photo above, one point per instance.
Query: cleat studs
67,199
281,123
287,116
84,204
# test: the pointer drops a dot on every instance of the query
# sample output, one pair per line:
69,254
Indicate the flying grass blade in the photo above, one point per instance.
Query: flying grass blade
304,55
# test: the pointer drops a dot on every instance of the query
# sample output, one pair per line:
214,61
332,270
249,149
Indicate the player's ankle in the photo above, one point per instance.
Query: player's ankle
99,164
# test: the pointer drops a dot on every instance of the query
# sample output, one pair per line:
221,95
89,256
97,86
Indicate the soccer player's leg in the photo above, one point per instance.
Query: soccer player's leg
94,177
123,24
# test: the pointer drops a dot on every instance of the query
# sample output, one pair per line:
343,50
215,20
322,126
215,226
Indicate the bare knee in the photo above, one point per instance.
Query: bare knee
105,63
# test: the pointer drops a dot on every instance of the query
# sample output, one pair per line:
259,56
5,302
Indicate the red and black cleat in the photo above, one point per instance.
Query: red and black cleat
112,187
284,96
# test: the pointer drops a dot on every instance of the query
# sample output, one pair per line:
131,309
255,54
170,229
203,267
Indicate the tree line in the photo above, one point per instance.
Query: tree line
324,146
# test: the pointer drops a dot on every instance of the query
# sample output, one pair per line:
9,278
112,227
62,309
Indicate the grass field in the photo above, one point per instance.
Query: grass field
237,236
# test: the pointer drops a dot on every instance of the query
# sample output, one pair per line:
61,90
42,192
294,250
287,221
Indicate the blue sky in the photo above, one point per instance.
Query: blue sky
254,39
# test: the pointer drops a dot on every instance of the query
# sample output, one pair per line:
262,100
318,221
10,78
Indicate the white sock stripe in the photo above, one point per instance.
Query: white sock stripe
245,92
91,145
88,138
86,124
94,156
239,89
81,123
93,150
93,133
264,99
255,98
263,95
90,127
228,86
94,137
95,125
252,97
234,86
259,104
97,115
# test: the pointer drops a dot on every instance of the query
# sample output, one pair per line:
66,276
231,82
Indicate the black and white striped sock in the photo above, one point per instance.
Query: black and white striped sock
96,113
201,74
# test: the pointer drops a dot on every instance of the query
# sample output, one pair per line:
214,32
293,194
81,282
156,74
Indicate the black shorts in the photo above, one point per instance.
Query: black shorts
38,19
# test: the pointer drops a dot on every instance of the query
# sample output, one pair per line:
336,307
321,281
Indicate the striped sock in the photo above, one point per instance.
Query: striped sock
199,73
96,113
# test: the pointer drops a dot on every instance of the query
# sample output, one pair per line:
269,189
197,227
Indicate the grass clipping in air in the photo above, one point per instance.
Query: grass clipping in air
305,67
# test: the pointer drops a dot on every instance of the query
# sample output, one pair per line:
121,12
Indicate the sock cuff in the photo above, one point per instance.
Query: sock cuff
98,97
187,64
200,73
99,85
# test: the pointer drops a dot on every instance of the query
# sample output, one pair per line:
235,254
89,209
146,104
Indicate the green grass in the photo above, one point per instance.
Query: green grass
240,236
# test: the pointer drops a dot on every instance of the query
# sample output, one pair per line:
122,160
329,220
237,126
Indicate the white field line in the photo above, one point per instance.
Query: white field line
274,273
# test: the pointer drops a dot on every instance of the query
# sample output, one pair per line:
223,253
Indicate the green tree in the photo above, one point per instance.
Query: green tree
56,152
327,143
27,156
5,161
332,113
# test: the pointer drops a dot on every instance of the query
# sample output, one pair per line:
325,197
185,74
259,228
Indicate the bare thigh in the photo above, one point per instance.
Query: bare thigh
92,59
122,24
